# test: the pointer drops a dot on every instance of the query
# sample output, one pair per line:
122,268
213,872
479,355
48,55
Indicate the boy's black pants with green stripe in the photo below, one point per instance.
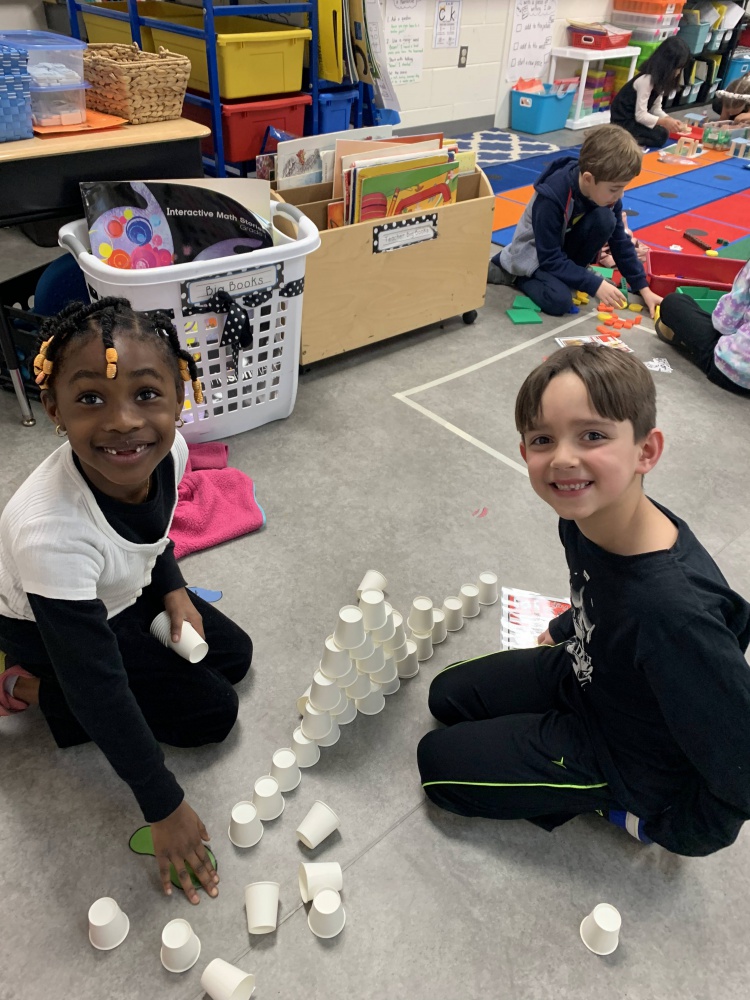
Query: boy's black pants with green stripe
511,747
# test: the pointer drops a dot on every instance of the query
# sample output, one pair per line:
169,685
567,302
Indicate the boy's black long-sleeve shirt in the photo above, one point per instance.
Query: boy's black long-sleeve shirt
657,646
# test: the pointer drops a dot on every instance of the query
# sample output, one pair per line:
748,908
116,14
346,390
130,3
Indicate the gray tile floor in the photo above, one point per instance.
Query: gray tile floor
438,906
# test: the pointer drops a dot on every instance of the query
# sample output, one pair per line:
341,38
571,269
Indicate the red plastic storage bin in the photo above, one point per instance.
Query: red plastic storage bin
667,270
244,123
598,40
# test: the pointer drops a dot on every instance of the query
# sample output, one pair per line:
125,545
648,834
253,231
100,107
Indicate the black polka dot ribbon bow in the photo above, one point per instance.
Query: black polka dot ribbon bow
237,333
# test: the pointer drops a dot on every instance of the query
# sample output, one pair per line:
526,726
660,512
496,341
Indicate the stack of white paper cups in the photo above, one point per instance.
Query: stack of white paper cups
439,629
319,823
488,588
315,725
359,687
387,673
372,580
420,622
345,712
386,632
408,666
397,643
317,875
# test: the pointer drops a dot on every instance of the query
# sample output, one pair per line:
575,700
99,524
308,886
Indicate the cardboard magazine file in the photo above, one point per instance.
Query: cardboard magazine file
378,279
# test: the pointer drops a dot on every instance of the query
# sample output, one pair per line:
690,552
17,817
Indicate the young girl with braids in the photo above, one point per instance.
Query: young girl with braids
86,564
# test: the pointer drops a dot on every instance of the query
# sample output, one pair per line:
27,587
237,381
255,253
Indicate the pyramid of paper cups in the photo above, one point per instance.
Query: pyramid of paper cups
430,625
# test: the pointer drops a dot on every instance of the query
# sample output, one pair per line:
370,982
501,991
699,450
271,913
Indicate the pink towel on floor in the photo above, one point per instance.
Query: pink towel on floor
214,503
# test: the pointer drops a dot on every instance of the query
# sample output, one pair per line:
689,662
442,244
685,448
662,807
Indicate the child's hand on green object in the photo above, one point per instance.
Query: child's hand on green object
181,609
650,299
179,840
610,295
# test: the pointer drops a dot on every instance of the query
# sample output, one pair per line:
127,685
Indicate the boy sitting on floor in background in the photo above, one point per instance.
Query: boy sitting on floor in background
576,209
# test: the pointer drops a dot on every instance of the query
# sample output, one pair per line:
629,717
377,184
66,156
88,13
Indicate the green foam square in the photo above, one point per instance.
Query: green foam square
605,272
524,316
142,843
524,302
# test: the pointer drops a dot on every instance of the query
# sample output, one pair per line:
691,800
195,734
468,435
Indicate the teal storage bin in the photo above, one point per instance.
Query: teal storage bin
739,65
694,35
335,110
537,113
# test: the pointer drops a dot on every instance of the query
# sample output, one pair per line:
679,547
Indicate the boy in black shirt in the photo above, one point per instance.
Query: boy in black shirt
636,703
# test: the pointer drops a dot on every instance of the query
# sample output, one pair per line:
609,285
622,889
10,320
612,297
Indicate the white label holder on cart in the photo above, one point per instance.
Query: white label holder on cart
268,284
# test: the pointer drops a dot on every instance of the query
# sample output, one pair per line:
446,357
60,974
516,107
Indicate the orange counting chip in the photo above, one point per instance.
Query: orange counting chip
637,320
603,329
610,321
618,324
628,324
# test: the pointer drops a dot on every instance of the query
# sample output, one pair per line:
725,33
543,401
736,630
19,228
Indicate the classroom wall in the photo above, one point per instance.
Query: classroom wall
15,14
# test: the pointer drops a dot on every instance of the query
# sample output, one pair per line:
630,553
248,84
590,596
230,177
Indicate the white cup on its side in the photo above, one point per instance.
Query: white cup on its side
319,823
191,645
108,925
245,826
327,916
600,930
453,608
262,907
267,798
488,588
306,751
372,580
317,875
223,981
285,769
180,947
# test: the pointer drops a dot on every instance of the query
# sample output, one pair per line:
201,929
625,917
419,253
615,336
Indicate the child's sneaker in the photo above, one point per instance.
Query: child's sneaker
630,822
497,275
8,674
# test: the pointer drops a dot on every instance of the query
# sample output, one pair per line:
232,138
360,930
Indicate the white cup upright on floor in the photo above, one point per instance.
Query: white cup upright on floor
285,769
420,618
372,580
191,645
488,588
334,662
306,751
180,947
453,608
600,930
108,925
350,630
408,667
327,917
262,907
469,600
245,826
267,798
319,823
317,875
439,628
223,981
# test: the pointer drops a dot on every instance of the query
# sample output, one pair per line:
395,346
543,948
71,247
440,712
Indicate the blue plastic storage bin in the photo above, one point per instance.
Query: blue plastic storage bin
537,113
739,65
15,96
335,109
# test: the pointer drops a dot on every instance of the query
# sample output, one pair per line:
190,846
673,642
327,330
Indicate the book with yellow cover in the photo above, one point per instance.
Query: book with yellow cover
415,189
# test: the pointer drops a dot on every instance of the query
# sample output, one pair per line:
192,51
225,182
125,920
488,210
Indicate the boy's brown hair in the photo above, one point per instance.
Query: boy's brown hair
609,153
619,386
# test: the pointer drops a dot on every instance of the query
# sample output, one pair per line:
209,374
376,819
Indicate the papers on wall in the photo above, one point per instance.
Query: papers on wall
447,24
530,38
300,162
404,32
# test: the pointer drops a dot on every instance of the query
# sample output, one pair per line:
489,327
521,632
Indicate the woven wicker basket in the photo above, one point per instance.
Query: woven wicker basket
139,86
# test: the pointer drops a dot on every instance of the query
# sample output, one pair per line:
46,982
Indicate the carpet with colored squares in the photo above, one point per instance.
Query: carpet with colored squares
709,199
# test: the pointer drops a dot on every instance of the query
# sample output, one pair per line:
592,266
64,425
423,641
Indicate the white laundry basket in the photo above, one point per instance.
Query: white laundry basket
267,283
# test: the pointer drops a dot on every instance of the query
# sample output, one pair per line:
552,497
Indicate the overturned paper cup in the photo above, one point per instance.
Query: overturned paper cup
267,798
319,823
332,737
302,701
374,662
334,662
399,633
600,930
408,667
392,687
350,630
349,677
423,644
373,702
347,713
439,630
372,580
180,947
191,645
488,588
469,595
245,827
315,725
360,687
306,751
364,649
387,631
387,674
372,605
262,907
420,619
223,981
327,917
317,875
453,609
285,770
324,692
108,925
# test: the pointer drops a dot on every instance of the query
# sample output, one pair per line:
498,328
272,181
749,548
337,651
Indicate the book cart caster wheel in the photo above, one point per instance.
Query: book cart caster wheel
469,317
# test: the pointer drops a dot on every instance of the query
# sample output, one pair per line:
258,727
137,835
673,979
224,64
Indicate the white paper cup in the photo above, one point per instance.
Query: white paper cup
285,769
387,674
469,595
223,981
348,713
180,947
108,925
423,644
324,692
349,677
317,875
267,798
399,633
262,907
364,649
387,631
319,823
332,737
327,917
439,630
409,666
335,662
453,609
191,646
372,580
374,662
373,702
420,619
245,827
350,630
600,930
306,751
372,605
488,588
392,687
360,687
397,652
315,725
302,701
